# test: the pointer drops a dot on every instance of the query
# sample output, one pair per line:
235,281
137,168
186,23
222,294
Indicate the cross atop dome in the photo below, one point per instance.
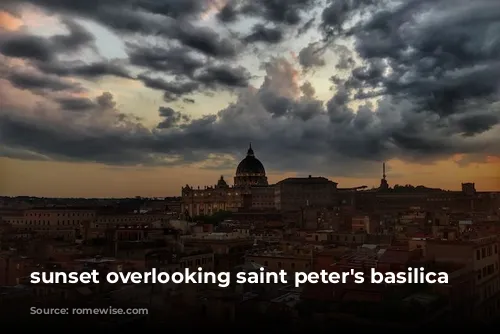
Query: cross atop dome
250,151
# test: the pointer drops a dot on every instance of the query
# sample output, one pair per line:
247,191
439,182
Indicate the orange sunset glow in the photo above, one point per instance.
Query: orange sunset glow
95,111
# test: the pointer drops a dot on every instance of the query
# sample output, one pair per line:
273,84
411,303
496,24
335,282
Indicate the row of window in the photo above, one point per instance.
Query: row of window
487,271
202,194
130,220
68,214
48,222
197,262
486,251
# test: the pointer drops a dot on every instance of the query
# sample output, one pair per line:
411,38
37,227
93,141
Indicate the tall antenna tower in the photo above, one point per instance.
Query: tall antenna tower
383,182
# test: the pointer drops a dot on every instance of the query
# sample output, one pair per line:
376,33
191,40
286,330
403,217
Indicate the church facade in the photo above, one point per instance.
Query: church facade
250,190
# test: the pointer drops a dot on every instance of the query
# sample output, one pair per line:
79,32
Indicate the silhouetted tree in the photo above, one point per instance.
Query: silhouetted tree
214,219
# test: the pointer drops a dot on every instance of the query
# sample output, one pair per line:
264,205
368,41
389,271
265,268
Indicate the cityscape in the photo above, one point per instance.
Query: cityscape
235,139
297,225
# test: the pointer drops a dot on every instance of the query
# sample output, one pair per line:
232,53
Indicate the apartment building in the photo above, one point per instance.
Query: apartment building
479,254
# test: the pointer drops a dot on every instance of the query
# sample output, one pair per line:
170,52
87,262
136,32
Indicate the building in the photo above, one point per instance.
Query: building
228,248
276,260
52,222
262,198
295,194
250,190
210,199
171,261
427,199
13,268
479,254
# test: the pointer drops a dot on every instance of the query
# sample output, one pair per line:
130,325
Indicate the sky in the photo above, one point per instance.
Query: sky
115,98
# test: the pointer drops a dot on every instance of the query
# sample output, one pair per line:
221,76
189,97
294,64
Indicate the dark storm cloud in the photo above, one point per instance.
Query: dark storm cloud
224,75
191,71
58,144
261,33
175,61
45,49
44,53
92,8
312,56
279,106
29,47
432,65
306,27
171,118
280,11
345,57
81,69
289,12
78,36
75,104
172,90
211,77
204,40
441,60
171,20
228,13
476,124
440,56
174,8
40,82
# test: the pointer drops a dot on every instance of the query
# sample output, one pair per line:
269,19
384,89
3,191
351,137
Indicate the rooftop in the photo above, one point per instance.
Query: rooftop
12,290
216,236
421,298
290,299
96,260
395,256
62,208
306,180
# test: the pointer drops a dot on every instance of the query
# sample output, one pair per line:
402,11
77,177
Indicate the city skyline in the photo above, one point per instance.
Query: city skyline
113,101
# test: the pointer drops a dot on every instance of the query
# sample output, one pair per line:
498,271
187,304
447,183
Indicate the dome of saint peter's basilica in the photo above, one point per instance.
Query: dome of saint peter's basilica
250,171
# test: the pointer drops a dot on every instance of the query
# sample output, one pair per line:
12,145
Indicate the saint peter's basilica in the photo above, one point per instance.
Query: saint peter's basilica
250,189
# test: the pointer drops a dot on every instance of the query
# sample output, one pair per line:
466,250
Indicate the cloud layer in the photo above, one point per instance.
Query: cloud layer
416,80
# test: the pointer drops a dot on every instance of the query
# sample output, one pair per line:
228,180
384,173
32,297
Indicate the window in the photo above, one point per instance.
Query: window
490,269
